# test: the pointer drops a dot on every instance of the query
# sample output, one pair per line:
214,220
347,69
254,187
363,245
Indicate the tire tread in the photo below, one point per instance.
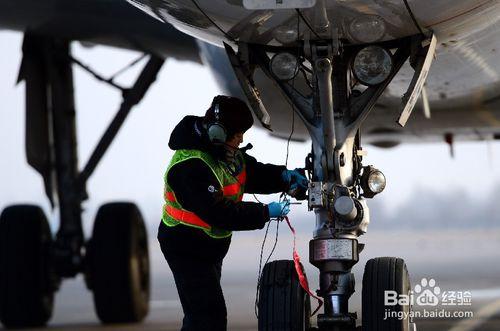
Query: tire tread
381,274
113,244
283,304
26,297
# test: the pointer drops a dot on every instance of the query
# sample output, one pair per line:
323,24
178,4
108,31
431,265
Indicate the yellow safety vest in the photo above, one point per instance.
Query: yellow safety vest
232,185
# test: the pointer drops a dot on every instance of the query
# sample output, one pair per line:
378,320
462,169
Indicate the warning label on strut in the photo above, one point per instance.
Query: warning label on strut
330,249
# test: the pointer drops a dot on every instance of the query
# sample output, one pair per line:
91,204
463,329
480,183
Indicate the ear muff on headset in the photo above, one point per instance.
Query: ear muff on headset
216,131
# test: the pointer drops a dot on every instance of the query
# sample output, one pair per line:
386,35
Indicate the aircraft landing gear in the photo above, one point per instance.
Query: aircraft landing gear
32,264
332,103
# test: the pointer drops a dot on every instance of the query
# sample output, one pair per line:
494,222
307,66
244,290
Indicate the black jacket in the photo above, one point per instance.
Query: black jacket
191,179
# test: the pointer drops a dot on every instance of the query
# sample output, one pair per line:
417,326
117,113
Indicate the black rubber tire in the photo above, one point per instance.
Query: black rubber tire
283,304
384,274
26,293
118,264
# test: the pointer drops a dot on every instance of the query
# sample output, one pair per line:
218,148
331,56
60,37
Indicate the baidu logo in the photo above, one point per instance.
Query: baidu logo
427,293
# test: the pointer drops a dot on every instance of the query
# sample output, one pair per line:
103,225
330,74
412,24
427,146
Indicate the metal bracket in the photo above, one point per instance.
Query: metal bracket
422,67
302,104
362,105
249,88
316,195
426,104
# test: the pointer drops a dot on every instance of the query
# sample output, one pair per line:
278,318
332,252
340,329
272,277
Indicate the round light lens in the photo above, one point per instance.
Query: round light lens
285,35
372,65
284,66
367,28
376,181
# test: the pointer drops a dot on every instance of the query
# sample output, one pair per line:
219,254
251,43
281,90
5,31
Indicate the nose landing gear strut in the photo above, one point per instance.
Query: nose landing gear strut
333,113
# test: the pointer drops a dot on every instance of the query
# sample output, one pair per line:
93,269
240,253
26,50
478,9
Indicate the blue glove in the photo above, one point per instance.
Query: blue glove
278,209
294,179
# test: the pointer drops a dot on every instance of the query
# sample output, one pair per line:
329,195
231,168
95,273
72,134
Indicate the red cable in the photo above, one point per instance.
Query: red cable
300,272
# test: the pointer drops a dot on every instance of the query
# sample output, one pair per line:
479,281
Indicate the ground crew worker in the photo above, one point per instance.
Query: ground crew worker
204,186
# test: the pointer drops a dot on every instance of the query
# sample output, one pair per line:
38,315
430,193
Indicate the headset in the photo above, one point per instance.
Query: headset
217,133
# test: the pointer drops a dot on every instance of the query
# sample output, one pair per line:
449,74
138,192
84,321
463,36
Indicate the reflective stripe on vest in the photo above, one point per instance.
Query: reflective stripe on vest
232,188
186,216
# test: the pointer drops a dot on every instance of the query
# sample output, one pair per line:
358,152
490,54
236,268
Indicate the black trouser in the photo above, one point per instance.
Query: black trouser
198,284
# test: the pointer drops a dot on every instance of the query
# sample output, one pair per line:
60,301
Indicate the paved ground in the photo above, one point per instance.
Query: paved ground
457,260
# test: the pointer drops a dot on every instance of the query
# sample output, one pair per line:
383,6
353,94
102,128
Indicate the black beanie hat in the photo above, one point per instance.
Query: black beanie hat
234,114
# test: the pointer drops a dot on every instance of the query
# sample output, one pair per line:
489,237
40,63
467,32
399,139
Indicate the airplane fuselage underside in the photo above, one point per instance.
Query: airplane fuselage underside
462,88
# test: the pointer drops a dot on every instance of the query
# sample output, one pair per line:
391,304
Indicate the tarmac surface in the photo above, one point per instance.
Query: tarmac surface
458,261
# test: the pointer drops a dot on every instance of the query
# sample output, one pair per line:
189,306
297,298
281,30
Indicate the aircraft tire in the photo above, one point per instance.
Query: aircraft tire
384,274
118,264
283,304
26,294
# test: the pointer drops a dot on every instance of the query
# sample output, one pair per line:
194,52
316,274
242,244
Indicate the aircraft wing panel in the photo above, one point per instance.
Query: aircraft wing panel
110,22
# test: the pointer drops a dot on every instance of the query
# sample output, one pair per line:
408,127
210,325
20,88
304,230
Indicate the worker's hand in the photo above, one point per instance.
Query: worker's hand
278,209
297,183
294,178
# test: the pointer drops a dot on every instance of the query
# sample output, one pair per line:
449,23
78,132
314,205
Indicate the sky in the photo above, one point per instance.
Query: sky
133,167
